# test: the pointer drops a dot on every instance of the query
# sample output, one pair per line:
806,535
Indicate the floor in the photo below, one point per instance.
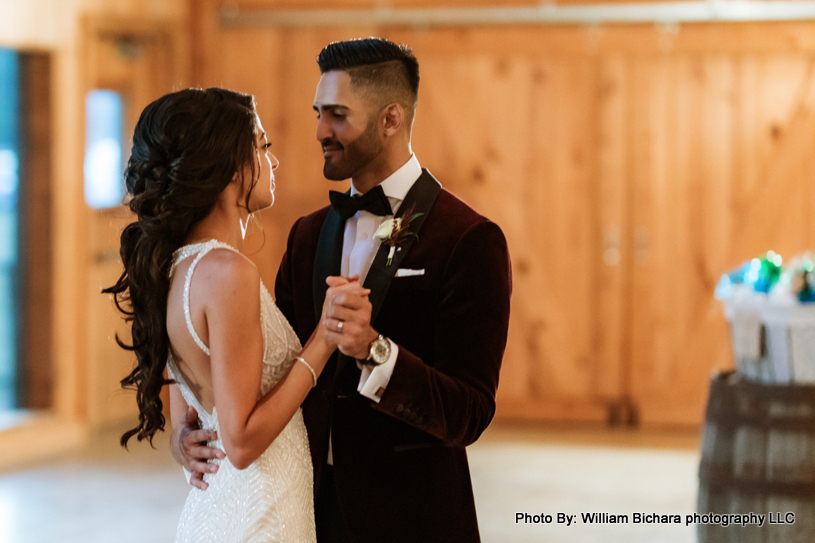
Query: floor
104,494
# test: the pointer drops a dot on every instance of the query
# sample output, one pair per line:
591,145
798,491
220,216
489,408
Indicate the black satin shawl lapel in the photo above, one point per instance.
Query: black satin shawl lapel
328,260
421,195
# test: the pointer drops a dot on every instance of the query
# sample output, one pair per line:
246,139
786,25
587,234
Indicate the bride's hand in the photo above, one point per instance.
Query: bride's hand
340,290
347,317
326,338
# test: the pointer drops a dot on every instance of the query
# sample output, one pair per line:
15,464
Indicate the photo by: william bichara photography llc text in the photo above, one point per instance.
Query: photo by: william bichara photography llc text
689,519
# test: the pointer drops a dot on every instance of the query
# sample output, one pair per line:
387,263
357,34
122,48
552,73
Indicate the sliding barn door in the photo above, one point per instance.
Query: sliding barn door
722,170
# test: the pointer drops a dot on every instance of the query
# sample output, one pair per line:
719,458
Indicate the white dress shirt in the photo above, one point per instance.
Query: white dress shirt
359,247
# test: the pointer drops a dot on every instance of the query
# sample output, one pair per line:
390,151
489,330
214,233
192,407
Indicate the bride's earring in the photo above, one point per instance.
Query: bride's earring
243,226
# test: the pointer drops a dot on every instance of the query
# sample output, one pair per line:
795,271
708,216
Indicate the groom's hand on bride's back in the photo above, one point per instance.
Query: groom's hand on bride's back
189,446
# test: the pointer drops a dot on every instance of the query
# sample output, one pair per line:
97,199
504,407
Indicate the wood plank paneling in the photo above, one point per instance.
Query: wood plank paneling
539,190
564,244
679,202
612,209
770,210
711,190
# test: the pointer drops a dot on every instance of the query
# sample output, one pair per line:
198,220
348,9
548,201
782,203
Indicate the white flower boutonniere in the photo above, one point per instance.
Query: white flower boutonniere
395,231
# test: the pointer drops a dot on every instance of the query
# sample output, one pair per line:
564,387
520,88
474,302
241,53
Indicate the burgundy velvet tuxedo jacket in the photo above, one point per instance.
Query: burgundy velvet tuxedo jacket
400,465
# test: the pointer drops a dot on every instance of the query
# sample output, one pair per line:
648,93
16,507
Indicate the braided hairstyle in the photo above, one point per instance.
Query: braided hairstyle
187,148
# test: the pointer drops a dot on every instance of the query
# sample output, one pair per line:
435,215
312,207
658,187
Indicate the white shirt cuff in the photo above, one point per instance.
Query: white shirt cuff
374,379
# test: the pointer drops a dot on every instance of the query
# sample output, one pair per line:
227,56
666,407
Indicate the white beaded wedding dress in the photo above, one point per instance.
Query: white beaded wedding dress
271,500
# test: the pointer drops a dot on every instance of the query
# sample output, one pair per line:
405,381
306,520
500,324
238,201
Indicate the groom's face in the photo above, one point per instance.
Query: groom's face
346,127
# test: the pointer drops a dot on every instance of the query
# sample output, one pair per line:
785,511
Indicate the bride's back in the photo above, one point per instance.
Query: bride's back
190,358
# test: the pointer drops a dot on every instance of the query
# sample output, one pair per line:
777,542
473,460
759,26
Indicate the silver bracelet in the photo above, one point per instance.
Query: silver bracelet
313,373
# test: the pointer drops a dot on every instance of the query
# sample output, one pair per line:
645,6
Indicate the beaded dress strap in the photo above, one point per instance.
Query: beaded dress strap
205,248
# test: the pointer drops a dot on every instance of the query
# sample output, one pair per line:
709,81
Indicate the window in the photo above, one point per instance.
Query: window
9,180
103,149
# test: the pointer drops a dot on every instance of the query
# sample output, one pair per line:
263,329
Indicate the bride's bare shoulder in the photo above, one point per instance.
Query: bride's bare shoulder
228,273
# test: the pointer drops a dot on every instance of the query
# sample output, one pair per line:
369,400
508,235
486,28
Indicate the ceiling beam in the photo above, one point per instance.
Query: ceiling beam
694,11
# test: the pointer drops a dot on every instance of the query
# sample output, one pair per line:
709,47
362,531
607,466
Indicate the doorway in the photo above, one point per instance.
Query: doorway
128,65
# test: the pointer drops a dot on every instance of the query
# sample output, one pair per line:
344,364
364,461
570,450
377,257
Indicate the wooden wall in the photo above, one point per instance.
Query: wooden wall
629,166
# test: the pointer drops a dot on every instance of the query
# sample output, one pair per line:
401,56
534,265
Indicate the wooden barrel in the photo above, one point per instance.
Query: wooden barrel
758,456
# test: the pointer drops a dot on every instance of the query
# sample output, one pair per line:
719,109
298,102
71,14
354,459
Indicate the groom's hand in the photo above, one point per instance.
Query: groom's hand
189,447
348,317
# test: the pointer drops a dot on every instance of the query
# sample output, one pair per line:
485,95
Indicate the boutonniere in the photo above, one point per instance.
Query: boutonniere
395,231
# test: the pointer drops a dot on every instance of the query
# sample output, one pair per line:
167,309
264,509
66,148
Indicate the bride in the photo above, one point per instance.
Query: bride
200,165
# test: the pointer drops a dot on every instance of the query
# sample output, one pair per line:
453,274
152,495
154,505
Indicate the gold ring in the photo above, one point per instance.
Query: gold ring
339,326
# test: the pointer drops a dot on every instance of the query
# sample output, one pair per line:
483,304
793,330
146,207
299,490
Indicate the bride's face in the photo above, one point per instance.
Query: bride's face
265,164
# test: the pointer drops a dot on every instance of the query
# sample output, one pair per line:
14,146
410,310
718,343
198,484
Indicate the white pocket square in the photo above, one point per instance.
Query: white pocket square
405,272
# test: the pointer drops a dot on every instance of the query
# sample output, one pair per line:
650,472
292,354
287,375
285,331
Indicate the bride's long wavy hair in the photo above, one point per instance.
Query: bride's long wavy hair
187,148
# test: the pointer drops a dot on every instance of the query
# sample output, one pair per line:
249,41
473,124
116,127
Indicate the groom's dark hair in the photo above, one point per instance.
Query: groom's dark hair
378,68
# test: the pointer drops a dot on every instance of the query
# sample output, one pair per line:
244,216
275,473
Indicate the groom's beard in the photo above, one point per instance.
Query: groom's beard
353,156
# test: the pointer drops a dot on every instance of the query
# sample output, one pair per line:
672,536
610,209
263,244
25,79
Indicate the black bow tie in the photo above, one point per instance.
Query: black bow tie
374,201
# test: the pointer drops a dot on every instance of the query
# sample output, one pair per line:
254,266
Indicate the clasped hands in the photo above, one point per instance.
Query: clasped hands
345,322
346,318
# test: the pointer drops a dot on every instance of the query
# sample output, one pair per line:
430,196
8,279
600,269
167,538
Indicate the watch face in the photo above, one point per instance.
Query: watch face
380,351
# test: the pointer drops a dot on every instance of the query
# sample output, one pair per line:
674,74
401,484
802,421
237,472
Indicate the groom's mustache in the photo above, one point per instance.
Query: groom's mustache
330,144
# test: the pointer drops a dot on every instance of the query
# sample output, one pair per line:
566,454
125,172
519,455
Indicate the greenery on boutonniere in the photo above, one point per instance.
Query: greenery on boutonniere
396,231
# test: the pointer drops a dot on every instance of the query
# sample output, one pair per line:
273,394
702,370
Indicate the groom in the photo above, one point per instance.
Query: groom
414,380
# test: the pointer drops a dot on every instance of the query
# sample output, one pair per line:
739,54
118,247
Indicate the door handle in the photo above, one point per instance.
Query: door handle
105,257
611,245
642,252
